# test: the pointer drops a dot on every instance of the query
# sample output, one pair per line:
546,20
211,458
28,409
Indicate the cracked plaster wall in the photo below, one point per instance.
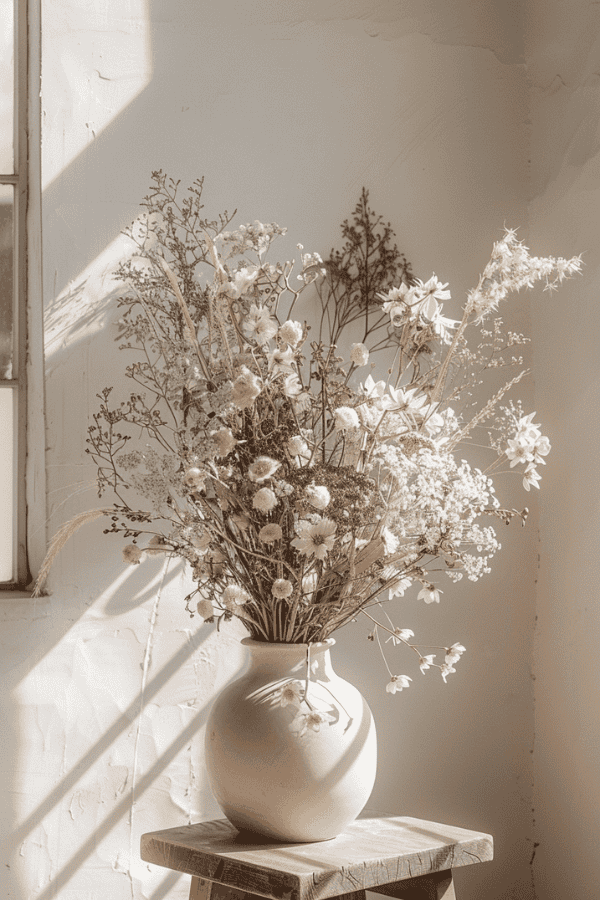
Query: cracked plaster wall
288,109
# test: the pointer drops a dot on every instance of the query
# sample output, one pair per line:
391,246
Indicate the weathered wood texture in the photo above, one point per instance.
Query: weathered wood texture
374,853
438,886
211,890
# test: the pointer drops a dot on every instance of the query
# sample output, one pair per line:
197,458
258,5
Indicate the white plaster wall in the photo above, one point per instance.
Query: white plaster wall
288,109
563,69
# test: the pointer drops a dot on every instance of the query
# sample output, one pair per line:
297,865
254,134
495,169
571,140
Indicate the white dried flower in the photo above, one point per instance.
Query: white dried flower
292,386
446,670
281,361
242,280
268,534
454,653
234,596
397,683
315,538
359,354
317,495
291,694
194,479
262,468
291,332
282,589
429,594
345,418
264,500
400,635
312,719
297,446
225,441
246,388
259,324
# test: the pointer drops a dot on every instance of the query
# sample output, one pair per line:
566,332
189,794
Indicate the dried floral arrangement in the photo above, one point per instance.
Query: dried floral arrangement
301,490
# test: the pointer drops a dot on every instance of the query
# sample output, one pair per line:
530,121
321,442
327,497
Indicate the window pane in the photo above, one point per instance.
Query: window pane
6,483
6,280
7,77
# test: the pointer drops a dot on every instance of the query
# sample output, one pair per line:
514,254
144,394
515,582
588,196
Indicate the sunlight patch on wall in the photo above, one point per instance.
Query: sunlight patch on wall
91,80
86,305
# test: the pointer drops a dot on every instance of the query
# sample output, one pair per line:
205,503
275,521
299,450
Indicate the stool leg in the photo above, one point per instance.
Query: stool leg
437,886
201,889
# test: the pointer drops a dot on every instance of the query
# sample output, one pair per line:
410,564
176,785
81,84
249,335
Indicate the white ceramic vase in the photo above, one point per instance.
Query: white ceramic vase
283,767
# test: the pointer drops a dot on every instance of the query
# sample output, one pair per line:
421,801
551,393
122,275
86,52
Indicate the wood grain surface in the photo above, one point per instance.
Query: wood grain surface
374,853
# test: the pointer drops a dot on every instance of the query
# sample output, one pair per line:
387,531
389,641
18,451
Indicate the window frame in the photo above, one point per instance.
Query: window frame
18,383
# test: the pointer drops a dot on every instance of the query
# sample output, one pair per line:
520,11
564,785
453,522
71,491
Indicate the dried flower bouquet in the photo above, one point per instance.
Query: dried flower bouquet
301,490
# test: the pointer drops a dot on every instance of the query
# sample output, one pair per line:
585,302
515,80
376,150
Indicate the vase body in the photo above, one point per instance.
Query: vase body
282,767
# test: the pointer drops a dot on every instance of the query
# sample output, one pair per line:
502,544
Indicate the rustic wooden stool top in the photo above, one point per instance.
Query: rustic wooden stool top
397,856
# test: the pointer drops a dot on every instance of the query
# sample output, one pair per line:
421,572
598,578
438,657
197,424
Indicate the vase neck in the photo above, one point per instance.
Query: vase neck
290,660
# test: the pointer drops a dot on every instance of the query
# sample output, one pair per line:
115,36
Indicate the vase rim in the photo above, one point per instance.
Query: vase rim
317,645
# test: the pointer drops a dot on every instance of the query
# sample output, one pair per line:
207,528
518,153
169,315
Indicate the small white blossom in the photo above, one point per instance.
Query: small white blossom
264,500
345,418
359,354
390,541
446,670
291,332
282,589
290,694
194,478
317,495
426,662
520,450
234,596
429,594
315,539
246,388
312,719
398,683
297,446
281,360
242,280
259,324
454,653
292,386
399,588
400,635
531,478
373,389
262,468
225,441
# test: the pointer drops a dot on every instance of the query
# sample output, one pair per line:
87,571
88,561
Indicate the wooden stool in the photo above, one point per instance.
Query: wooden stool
393,855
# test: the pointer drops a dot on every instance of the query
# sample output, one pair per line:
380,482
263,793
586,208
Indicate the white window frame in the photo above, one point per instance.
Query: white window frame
29,501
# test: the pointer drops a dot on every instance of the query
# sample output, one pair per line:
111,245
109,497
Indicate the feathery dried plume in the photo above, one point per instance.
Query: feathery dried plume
64,534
